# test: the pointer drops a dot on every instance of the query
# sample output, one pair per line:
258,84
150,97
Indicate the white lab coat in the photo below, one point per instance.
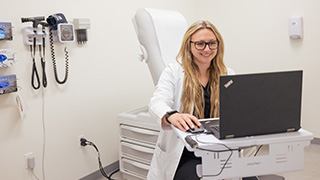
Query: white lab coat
169,147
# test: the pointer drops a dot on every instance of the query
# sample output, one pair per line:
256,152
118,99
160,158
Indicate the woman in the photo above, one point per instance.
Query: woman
186,91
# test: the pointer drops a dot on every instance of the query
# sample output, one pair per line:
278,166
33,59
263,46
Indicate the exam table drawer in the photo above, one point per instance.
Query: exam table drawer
130,176
135,168
138,152
139,134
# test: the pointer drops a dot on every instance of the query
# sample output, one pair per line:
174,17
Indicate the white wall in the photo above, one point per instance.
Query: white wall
106,78
257,40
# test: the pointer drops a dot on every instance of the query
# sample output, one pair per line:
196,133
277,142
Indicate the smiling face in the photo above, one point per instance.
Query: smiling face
205,56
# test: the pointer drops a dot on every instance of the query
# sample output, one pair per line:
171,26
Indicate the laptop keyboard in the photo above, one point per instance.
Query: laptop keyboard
213,128
216,127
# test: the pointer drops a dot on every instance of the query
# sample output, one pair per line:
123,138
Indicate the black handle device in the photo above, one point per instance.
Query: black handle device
35,20
191,141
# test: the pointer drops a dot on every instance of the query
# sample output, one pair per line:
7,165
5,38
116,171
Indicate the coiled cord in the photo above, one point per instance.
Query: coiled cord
55,63
34,67
43,64
35,73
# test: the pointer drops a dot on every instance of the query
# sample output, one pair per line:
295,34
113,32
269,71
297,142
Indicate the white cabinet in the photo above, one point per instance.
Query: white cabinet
138,137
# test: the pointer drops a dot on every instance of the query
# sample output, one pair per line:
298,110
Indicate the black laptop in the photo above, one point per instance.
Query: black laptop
257,104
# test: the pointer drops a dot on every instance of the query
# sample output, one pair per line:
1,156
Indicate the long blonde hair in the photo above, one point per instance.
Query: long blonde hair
192,94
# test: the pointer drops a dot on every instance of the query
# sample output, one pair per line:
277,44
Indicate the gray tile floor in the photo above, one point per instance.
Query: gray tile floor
311,170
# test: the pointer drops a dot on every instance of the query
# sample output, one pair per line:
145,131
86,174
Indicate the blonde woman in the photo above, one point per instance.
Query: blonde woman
186,91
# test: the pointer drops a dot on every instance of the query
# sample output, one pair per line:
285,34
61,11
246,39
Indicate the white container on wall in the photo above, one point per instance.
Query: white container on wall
295,27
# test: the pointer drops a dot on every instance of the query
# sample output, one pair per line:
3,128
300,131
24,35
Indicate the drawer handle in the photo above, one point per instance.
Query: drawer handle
141,131
141,149
142,166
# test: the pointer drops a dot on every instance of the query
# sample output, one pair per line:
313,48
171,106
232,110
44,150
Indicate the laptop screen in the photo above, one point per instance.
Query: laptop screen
256,104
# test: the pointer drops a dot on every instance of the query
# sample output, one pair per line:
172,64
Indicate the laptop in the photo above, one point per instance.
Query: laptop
258,104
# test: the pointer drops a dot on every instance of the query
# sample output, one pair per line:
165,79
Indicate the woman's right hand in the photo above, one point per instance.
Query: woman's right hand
183,121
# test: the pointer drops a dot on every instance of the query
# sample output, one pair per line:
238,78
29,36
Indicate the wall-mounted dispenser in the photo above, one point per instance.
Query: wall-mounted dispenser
5,31
81,26
6,57
8,84
295,27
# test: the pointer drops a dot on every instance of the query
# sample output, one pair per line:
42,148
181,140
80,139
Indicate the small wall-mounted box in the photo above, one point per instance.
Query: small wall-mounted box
295,27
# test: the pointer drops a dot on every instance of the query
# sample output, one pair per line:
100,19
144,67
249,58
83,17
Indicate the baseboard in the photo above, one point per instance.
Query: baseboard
315,141
97,174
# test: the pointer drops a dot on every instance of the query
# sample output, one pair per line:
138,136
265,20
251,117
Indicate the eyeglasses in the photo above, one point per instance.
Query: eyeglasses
201,45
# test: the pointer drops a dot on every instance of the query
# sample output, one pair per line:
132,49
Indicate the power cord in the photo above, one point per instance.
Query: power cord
258,150
44,134
226,149
34,175
85,142
219,151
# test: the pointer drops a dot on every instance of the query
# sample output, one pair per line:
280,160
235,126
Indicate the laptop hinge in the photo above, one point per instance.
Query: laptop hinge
290,129
230,136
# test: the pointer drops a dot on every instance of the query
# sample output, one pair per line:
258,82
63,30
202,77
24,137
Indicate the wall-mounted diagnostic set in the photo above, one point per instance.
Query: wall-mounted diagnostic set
33,37
59,31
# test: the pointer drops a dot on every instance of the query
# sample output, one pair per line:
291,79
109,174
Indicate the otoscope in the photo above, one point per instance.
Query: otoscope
43,54
35,21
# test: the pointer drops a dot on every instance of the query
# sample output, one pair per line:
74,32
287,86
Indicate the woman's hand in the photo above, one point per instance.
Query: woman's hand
183,121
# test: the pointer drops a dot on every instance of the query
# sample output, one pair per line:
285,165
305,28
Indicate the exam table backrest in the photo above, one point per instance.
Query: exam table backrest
160,34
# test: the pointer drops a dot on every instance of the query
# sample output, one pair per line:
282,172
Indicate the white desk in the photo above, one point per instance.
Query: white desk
285,153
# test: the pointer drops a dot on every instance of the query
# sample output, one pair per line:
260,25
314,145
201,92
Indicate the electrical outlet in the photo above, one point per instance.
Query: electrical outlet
79,142
26,156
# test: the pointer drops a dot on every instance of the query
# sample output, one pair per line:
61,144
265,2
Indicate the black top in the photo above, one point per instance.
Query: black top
207,105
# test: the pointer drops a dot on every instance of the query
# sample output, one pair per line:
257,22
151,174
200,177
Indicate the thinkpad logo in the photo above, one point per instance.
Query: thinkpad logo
228,84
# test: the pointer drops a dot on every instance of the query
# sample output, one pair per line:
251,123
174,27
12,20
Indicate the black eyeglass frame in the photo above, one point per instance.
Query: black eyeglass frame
206,44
